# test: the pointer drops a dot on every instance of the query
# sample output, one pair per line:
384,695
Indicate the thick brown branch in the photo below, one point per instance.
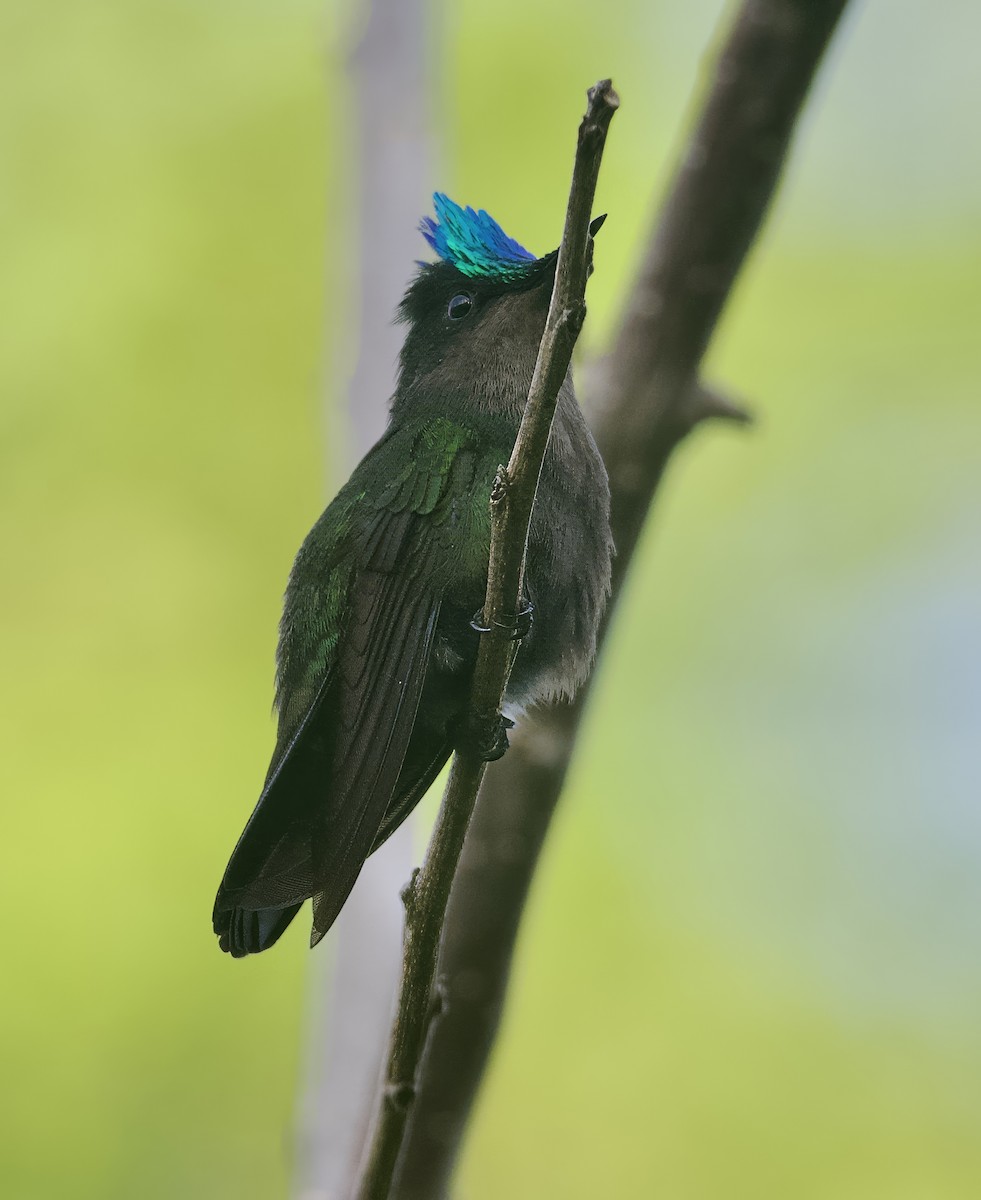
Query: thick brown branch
646,397
511,505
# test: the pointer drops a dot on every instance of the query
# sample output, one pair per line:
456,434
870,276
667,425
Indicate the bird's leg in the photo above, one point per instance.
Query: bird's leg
524,618
484,735
517,627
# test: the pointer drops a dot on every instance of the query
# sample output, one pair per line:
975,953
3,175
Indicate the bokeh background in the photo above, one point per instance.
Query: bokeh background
752,962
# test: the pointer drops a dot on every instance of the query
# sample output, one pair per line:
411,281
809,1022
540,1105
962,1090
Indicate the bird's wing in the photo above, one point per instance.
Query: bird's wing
358,681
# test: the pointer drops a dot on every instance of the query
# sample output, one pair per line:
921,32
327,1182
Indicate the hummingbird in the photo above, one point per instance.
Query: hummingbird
381,616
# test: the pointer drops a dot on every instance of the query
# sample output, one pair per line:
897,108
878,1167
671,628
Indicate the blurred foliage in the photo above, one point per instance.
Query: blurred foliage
751,965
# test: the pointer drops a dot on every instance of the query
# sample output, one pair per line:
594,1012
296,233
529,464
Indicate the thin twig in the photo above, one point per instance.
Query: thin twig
646,398
511,505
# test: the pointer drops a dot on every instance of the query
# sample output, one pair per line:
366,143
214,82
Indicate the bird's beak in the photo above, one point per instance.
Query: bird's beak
595,225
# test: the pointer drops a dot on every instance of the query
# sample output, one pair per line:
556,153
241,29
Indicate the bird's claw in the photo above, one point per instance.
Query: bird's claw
485,737
477,622
524,618
517,628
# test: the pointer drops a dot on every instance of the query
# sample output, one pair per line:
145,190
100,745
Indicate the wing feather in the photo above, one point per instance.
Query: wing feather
319,814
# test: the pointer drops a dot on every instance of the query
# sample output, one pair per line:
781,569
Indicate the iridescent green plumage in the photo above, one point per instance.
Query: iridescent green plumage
426,469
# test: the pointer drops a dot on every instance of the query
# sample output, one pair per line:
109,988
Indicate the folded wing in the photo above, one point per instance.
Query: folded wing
334,775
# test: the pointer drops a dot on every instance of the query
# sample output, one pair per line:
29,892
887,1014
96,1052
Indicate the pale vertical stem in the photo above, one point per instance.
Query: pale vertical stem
391,166
394,159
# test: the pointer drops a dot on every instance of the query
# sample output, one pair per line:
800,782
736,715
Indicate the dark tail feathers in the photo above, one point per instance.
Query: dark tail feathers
243,931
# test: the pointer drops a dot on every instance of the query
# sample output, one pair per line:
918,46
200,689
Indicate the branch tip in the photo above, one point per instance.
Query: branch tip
603,101
408,893
705,403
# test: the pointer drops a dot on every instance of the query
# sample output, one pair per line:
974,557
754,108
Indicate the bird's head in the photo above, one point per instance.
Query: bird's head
476,316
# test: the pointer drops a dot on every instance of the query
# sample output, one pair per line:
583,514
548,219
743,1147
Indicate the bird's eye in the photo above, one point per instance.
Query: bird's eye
459,307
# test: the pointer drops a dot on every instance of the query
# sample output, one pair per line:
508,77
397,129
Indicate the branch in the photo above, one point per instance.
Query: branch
646,397
512,500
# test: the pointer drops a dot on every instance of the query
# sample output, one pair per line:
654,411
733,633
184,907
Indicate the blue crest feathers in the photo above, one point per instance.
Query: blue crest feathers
474,243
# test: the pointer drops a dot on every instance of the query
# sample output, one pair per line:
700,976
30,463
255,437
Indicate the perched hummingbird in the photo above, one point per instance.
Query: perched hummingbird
378,638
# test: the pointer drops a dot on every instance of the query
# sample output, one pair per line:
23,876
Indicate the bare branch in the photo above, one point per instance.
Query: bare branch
511,505
646,398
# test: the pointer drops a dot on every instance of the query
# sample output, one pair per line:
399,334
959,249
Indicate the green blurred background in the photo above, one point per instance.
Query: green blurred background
751,963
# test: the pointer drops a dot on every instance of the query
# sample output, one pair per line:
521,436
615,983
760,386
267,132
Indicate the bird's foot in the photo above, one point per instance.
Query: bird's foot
485,737
517,627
